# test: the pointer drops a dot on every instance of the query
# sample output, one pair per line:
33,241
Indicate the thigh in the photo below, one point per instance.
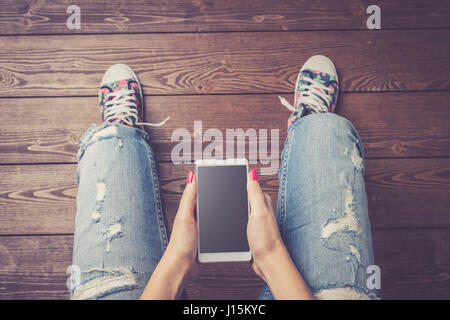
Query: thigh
322,207
120,230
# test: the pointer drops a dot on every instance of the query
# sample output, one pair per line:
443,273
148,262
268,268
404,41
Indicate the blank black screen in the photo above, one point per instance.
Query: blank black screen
222,208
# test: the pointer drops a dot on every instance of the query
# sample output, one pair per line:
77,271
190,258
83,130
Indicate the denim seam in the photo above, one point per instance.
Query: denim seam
284,182
287,146
158,205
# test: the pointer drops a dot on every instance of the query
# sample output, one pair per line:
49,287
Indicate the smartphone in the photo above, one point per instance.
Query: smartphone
222,210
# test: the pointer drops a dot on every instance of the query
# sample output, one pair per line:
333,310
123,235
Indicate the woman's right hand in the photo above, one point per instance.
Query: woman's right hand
262,230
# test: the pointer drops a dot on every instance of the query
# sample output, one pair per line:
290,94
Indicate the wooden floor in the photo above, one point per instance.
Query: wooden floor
225,62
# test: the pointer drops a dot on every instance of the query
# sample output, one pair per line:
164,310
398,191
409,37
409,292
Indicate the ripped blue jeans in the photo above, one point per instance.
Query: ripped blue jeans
121,229
322,207
120,226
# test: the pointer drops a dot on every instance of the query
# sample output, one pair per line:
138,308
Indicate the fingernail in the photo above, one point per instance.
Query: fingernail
254,175
190,177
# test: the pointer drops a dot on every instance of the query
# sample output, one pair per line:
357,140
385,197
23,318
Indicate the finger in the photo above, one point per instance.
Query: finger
268,201
255,194
189,197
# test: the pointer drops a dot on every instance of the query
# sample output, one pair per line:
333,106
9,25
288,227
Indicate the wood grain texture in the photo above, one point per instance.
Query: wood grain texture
49,17
402,193
414,265
37,199
264,62
388,124
201,60
40,199
34,267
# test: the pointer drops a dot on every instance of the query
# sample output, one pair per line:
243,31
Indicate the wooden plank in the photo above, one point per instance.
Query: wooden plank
402,193
50,128
406,193
37,199
34,267
49,17
261,62
414,265
40,199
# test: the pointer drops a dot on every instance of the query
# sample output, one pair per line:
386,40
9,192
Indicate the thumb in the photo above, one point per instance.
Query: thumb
255,194
189,197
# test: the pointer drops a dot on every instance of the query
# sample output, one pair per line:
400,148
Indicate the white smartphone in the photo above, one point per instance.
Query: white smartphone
222,210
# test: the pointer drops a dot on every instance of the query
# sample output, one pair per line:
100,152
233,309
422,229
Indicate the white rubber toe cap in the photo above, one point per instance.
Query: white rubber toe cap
320,63
118,72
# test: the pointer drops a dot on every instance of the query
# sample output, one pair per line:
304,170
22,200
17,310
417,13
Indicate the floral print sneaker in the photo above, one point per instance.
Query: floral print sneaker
121,99
316,89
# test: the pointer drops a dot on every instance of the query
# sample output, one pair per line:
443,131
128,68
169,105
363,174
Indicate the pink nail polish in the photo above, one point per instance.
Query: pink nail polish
190,177
254,175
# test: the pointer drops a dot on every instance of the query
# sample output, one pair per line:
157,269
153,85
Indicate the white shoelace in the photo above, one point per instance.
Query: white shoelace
311,98
122,107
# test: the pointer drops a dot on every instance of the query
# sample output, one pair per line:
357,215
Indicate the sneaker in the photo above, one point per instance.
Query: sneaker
316,88
121,99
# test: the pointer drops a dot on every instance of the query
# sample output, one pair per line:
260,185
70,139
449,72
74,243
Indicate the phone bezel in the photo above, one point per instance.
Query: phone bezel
221,256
